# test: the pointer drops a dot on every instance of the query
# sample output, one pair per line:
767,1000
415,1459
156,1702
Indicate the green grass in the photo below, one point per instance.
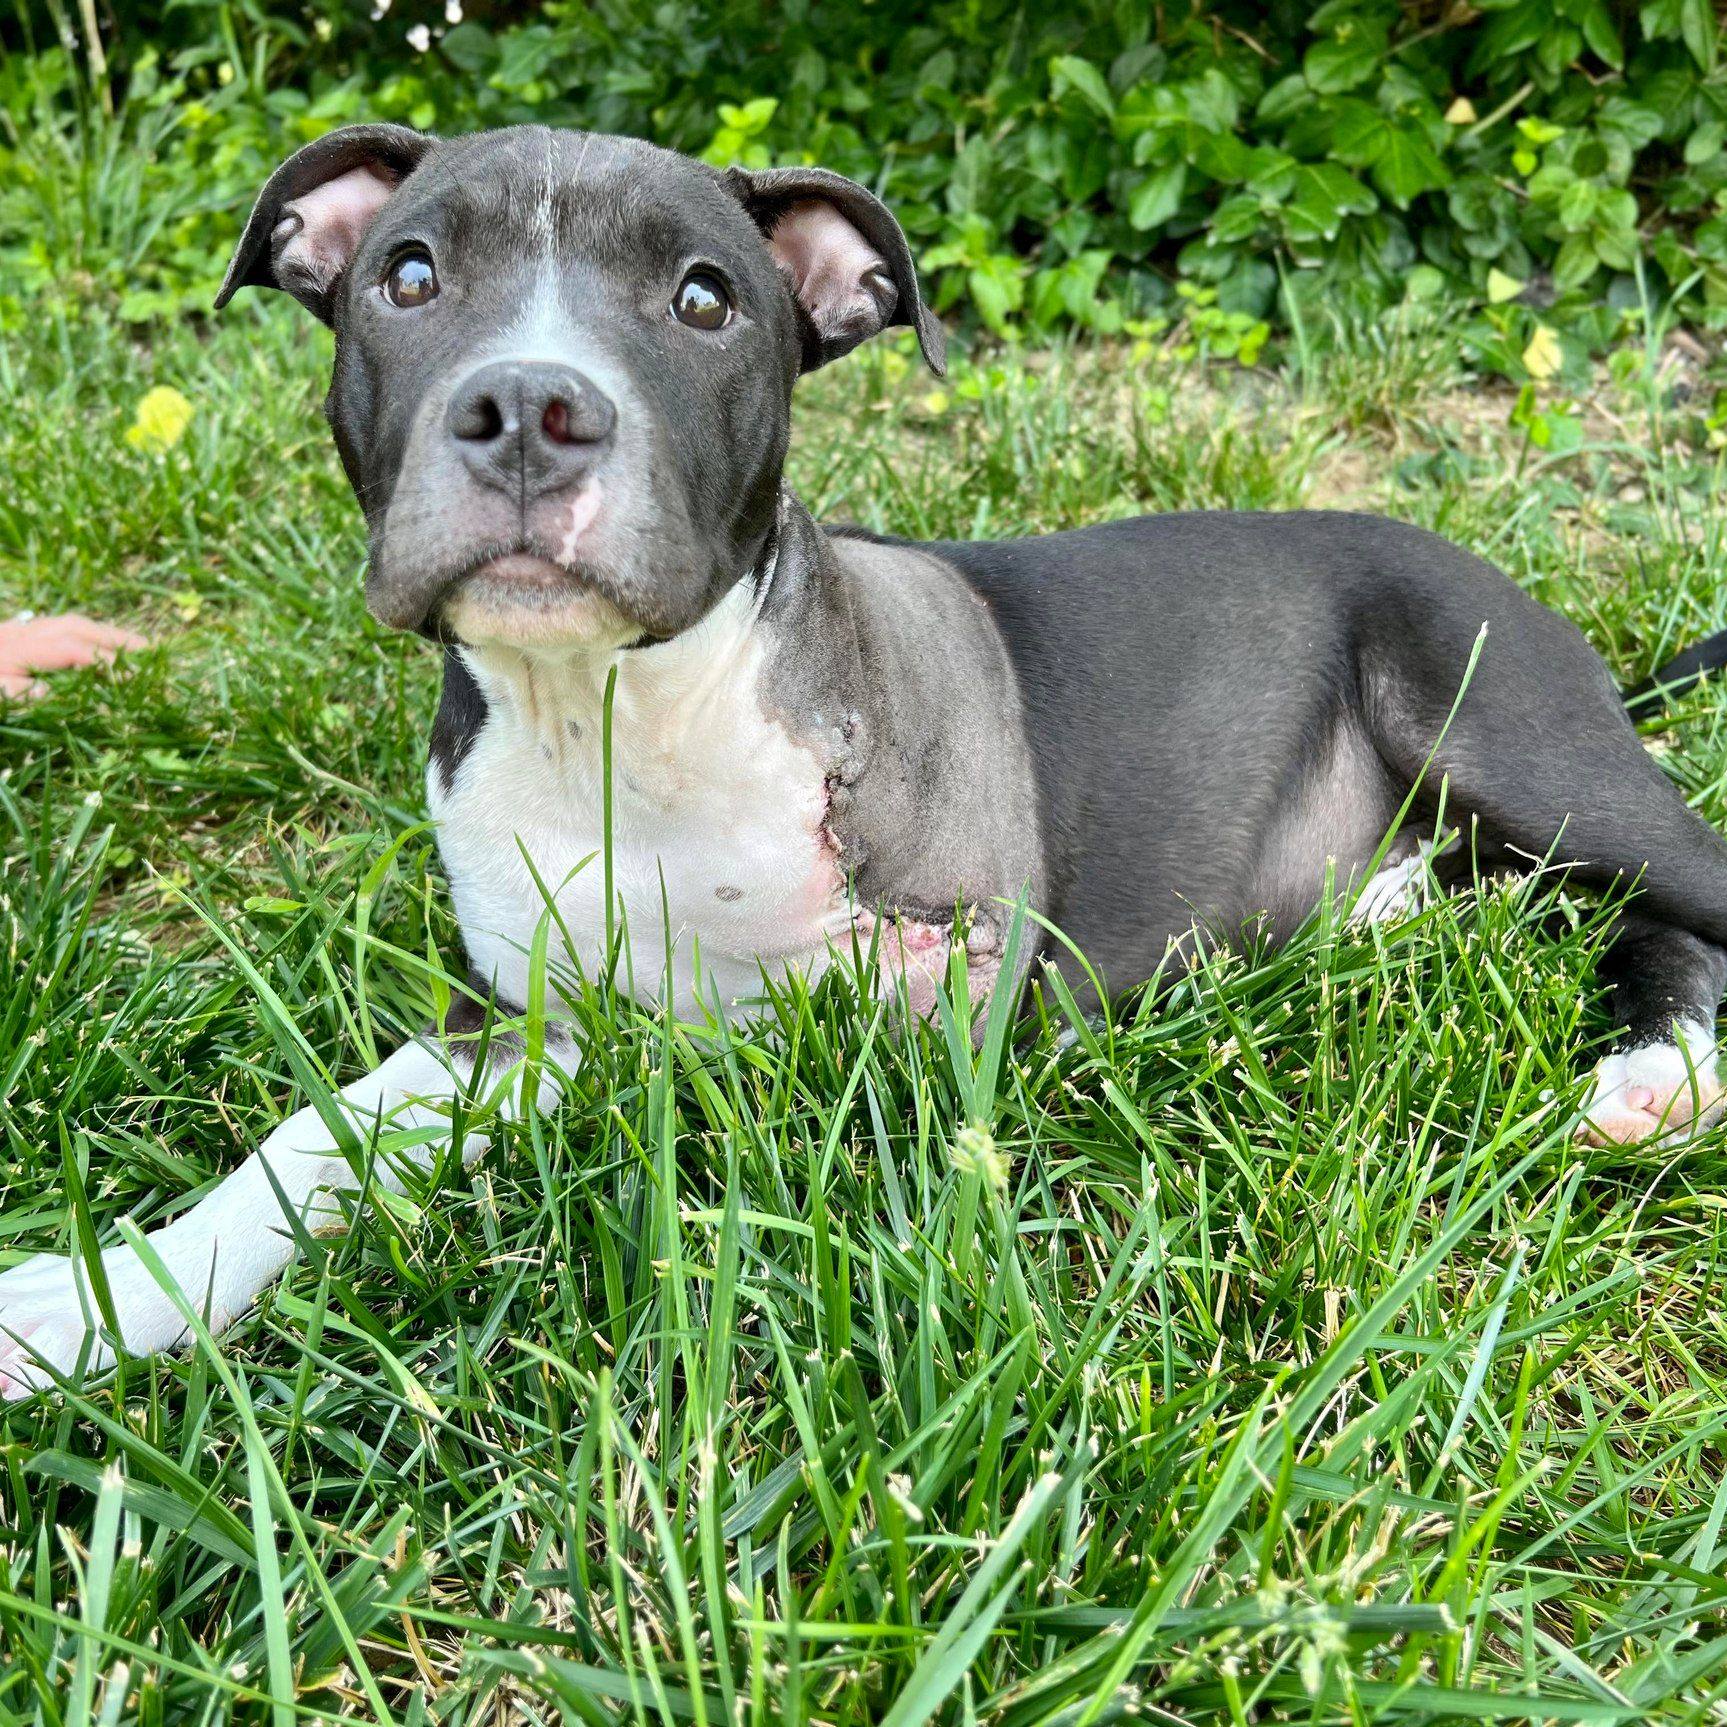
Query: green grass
1287,1360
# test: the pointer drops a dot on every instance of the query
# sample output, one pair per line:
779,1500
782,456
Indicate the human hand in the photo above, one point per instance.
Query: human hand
30,644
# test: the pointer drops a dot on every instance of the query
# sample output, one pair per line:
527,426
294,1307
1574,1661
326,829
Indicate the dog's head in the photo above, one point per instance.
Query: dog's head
564,363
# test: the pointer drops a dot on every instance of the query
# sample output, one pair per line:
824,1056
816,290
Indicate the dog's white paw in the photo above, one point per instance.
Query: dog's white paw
1399,889
50,1320
1394,892
1662,1091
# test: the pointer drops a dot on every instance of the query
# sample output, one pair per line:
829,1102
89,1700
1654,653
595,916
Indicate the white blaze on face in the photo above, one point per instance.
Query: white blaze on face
583,508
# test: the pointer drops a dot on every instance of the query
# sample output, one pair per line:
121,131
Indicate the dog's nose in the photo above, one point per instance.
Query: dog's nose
531,426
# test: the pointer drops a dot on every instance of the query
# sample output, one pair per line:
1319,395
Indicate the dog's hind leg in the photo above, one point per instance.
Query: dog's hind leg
1538,752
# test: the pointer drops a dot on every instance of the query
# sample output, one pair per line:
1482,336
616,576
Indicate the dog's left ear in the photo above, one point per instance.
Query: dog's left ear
844,257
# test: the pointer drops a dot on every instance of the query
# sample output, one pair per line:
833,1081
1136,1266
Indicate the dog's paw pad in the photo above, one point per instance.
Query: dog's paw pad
1662,1091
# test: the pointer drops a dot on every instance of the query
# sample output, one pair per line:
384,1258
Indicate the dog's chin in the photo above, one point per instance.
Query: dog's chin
529,603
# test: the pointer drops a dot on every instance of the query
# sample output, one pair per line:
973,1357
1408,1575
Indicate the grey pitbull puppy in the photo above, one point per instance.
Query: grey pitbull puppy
562,390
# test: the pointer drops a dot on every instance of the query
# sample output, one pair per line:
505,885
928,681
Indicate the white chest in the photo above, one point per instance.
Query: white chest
718,844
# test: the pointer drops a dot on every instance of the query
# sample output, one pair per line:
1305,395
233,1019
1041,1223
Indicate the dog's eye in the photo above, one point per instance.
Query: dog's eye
412,281
702,302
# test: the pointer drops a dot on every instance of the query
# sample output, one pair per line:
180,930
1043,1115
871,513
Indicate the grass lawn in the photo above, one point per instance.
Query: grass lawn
1286,1359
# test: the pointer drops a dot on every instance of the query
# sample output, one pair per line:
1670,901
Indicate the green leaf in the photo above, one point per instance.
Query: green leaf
1270,173
469,48
1408,166
997,290
1237,219
1577,205
1501,287
1670,94
1557,50
1576,263
1324,195
1424,283
1157,197
1477,203
1539,131
1549,184
755,114
1221,156
1670,254
1636,123
1616,209
1285,99
1710,239
1691,21
1349,58
1360,133
1704,145
1698,26
1211,102
1615,247
1069,72
1510,32
524,55
1602,34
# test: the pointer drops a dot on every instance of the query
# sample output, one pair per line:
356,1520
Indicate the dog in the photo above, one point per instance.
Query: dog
562,390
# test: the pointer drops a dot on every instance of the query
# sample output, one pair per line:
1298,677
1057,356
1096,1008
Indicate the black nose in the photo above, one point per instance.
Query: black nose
530,426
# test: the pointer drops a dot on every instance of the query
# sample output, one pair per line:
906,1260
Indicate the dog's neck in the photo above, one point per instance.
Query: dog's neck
659,689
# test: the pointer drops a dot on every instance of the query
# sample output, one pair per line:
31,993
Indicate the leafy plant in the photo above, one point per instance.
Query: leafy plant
1054,166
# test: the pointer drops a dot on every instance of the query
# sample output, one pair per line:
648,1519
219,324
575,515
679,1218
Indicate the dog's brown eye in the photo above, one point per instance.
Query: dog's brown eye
412,281
701,302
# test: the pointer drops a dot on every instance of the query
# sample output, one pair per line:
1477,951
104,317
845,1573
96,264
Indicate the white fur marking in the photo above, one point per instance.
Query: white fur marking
710,791
583,508
1662,1091
231,1244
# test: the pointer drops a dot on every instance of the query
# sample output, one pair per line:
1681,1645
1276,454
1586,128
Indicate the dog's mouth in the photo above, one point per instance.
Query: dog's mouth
523,599
523,576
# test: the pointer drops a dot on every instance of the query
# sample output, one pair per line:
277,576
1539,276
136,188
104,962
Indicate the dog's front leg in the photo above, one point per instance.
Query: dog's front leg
231,1244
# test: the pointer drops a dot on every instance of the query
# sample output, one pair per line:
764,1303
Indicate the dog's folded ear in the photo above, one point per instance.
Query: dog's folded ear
844,257
315,209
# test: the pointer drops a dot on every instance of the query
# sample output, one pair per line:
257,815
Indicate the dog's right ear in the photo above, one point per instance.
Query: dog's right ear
315,209
844,258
